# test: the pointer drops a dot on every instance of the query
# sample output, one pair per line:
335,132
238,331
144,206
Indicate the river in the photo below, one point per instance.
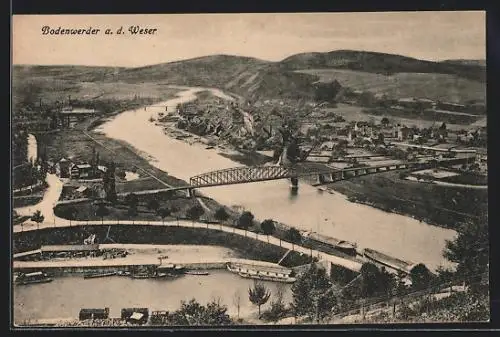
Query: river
328,214
65,296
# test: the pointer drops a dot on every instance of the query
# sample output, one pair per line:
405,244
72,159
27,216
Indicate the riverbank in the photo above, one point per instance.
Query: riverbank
443,206
243,246
274,200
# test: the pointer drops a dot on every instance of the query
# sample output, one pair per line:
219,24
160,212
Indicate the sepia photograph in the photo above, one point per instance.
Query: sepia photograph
244,169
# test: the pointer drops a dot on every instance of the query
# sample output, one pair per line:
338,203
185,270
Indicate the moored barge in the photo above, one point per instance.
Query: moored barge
262,272
97,275
388,261
32,278
343,246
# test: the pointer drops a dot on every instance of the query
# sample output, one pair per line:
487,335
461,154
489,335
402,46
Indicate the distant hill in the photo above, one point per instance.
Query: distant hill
381,63
272,82
215,70
65,72
481,63
292,77
443,87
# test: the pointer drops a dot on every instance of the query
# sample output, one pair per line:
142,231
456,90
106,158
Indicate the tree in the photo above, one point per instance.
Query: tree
132,210
420,276
38,218
221,214
258,295
237,301
195,212
69,212
278,309
381,138
387,282
245,220
109,182
163,213
374,281
470,248
193,313
268,227
131,200
385,122
153,204
174,209
101,211
293,235
311,296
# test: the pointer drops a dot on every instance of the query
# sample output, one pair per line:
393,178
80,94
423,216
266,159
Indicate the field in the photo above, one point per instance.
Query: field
87,211
443,206
356,113
442,87
51,84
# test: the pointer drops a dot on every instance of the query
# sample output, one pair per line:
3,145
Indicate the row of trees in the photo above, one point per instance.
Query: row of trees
29,174
19,145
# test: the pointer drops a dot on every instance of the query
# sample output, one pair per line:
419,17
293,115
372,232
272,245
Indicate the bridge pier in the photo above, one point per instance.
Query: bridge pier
190,193
321,179
295,183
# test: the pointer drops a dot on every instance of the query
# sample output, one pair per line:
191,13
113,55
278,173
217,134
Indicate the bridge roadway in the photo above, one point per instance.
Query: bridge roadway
352,264
249,174
435,149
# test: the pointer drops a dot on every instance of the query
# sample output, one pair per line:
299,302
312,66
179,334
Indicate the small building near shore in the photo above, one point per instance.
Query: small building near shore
83,191
81,171
62,168
135,315
93,314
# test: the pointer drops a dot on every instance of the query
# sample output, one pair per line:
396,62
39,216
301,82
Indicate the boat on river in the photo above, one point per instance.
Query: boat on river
388,261
270,278
32,278
262,272
339,245
196,272
141,275
171,269
97,275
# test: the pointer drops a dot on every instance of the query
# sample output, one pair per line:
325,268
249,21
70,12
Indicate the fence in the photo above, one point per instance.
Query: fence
385,302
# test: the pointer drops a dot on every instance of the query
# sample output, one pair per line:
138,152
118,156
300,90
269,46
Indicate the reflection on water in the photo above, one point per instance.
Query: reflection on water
330,214
65,296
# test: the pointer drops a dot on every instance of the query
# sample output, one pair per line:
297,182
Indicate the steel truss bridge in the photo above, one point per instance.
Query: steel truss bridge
250,174
242,175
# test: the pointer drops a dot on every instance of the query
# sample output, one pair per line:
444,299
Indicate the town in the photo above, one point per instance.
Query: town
250,193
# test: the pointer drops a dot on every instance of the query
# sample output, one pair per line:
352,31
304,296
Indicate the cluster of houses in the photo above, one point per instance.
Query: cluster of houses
47,116
466,136
369,132
65,168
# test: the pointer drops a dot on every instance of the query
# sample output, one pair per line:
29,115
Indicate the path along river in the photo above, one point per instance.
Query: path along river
328,214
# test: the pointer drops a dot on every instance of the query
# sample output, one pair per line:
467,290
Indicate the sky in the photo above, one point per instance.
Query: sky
425,35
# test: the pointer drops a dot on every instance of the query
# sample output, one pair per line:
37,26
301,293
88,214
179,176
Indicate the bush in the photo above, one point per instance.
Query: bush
245,220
